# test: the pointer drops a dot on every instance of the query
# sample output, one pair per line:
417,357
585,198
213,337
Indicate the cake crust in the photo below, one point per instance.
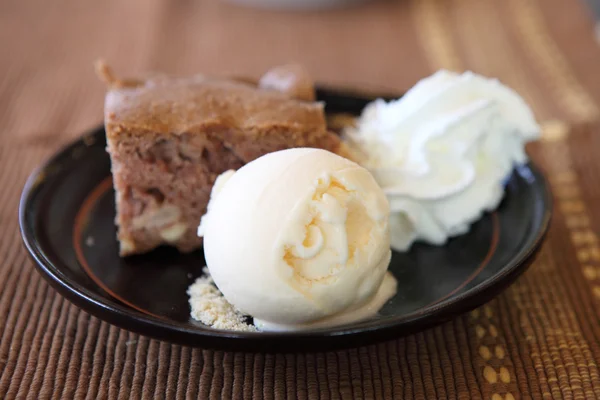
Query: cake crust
169,138
175,105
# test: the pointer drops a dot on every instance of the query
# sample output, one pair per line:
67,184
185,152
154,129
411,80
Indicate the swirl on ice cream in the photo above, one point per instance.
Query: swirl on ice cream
299,239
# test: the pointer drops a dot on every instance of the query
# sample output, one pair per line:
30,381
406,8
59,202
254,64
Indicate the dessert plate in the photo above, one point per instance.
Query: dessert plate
66,216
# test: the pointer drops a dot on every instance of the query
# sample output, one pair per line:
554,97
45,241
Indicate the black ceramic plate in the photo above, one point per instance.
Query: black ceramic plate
67,212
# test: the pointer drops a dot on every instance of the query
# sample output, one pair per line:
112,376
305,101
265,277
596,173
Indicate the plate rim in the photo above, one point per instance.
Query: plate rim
112,311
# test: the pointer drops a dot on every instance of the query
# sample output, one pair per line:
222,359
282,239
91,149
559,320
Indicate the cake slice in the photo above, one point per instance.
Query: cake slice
169,138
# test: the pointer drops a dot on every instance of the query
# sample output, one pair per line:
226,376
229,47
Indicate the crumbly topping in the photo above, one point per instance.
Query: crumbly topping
210,307
172,105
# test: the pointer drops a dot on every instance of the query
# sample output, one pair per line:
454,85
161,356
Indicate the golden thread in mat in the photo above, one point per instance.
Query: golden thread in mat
581,368
508,396
568,193
491,376
549,327
432,26
552,64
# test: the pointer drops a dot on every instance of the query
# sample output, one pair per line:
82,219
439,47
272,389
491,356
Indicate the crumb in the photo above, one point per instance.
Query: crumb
210,307
189,275
106,74
89,140
89,241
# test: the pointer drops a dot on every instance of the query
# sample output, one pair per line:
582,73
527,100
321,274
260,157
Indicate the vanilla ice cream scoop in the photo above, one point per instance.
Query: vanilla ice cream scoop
299,239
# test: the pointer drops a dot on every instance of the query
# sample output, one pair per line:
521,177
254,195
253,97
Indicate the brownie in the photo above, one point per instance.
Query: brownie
170,137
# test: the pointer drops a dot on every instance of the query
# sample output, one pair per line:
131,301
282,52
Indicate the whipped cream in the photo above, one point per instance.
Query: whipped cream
299,239
442,152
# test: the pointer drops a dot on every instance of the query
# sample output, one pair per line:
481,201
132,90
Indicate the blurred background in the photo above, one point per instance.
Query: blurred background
546,49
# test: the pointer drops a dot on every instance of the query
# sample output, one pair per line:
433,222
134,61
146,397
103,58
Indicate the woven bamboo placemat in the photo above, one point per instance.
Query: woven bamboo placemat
539,339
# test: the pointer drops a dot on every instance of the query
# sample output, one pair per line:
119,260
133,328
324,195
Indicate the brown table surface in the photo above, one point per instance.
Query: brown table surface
539,339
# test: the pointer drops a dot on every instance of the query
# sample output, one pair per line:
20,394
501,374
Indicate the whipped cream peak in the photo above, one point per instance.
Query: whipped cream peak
445,93
451,139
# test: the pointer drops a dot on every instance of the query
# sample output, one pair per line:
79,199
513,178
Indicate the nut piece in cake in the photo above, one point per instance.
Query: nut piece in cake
169,138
